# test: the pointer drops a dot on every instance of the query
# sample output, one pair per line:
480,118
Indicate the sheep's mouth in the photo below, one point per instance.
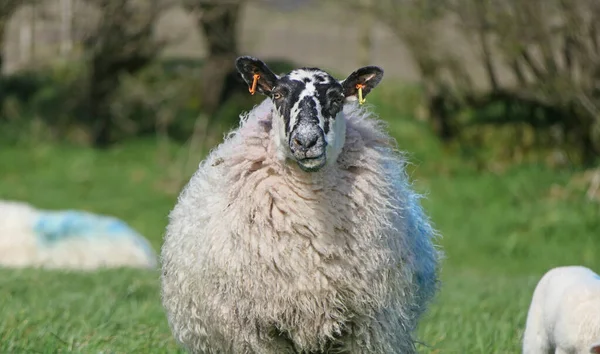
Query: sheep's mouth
312,164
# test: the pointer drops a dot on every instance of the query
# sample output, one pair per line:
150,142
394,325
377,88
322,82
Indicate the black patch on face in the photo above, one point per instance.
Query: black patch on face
330,98
290,90
307,111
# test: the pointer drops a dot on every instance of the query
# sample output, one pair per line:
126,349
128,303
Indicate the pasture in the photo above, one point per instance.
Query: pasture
501,231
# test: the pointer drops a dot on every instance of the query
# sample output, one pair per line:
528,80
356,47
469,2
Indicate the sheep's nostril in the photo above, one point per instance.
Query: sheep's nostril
310,142
297,142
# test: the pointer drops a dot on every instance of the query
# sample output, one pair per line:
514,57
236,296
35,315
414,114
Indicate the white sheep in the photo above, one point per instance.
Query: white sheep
564,315
68,239
300,233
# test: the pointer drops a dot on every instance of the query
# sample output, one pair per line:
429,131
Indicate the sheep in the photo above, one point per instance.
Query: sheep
300,232
69,240
564,314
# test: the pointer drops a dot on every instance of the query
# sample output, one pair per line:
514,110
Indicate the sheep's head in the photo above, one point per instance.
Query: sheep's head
308,106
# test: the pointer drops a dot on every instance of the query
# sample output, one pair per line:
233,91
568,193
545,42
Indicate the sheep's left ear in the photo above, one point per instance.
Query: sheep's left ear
595,349
249,66
368,77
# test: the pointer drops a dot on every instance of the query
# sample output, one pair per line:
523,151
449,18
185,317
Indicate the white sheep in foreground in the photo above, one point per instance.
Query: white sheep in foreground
68,239
564,315
300,233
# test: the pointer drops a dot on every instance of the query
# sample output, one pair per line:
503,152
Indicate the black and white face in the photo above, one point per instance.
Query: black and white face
308,102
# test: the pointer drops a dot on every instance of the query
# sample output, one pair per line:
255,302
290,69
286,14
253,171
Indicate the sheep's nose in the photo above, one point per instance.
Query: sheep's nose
307,141
303,142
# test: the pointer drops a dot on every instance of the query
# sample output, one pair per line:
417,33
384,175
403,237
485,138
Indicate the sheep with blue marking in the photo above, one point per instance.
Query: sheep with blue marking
68,239
300,233
564,314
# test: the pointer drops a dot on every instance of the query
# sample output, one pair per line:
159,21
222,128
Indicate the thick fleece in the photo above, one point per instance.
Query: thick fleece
564,315
68,239
261,257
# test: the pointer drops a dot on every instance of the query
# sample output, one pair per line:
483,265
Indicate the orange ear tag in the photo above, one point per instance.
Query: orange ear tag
252,89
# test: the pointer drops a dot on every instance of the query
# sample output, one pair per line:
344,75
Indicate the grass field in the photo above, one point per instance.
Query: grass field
500,233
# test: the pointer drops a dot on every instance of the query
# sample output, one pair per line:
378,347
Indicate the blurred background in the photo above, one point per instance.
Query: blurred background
109,106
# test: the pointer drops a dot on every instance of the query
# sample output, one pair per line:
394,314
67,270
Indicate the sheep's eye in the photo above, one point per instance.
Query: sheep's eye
335,106
337,102
277,95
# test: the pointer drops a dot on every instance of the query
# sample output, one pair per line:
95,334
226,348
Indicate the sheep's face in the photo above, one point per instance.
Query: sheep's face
308,105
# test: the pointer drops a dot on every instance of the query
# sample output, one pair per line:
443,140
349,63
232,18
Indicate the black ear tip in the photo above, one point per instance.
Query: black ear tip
370,70
377,69
246,58
243,60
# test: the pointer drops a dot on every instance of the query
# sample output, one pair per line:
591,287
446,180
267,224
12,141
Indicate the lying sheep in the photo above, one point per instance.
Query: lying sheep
564,315
300,233
68,239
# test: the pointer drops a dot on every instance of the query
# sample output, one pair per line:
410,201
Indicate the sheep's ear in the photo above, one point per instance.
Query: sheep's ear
249,66
366,77
595,349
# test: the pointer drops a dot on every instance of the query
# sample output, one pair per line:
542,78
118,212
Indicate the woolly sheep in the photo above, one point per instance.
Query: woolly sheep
68,239
564,315
300,232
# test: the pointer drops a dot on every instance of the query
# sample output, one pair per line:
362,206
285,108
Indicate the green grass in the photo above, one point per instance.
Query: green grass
500,233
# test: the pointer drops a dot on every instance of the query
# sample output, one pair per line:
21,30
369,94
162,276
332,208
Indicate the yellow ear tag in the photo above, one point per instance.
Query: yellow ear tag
252,89
361,100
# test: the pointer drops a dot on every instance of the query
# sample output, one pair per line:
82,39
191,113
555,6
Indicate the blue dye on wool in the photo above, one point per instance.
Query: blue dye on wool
53,227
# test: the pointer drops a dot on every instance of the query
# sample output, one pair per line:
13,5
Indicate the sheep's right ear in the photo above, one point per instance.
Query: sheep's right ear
366,77
595,349
249,67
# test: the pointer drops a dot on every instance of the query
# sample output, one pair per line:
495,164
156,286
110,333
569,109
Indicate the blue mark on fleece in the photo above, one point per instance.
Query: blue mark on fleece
596,276
53,227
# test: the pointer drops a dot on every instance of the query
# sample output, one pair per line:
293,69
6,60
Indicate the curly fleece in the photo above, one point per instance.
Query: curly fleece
261,257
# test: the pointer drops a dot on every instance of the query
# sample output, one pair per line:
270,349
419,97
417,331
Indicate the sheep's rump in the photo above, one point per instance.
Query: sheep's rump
68,239
260,257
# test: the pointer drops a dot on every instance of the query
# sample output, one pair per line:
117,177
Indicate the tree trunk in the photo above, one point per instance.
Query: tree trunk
66,24
219,25
365,40
3,23
102,82
589,154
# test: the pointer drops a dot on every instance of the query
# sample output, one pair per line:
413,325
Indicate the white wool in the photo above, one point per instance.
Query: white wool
564,315
262,257
24,244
